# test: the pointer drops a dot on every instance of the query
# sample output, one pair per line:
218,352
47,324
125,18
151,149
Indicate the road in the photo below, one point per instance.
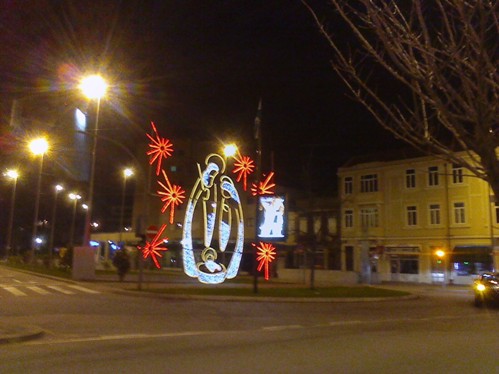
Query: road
99,331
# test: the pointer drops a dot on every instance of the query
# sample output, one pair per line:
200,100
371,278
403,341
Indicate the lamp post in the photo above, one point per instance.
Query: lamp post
75,197
126,173
38,147
58,188
11,174
93,87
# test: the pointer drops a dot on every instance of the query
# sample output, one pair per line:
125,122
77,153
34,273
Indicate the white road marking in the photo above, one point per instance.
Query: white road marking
14,291
121,337
39,290
282,327
61,290
83,289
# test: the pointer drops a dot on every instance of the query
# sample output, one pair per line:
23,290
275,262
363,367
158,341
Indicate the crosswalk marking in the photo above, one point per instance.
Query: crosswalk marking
61,290
45,289
14,291
83,289
39,290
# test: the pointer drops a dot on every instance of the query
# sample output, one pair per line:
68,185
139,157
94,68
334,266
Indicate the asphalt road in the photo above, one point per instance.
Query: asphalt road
99,331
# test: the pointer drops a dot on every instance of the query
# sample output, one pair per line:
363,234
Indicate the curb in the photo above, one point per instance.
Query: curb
270,299
16,334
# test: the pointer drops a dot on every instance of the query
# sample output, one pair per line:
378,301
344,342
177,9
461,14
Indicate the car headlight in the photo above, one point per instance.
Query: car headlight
480,287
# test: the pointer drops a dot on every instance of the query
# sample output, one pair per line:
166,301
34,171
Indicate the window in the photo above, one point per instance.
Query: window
369,217
410,178
348,185
332,227
457,174
349,218
412,215
433,176
497,212
434,214
459,213
409,264
302,224
369,183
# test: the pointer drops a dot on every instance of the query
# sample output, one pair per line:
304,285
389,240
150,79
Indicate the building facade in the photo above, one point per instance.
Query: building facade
413,218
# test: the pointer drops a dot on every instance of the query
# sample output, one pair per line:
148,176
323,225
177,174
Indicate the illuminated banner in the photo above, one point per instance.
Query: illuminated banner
271,217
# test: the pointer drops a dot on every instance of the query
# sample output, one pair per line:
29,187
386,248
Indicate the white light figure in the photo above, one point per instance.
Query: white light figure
273,217
221,207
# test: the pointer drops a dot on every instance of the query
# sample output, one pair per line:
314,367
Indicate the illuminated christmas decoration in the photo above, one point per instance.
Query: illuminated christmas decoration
154,247
243,166
263,188
173,195
265,255
161,148
220,206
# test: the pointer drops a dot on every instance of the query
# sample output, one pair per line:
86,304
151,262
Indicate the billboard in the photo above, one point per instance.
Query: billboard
271,220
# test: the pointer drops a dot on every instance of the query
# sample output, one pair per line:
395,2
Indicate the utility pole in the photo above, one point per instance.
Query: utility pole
258,166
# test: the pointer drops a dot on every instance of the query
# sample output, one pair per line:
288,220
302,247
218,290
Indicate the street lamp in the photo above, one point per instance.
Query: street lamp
126,173
230,150
93,87
75,197
58,188
441,256
11,174
38,147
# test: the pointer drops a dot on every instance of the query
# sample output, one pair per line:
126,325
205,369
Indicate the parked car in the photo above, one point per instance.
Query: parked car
486,289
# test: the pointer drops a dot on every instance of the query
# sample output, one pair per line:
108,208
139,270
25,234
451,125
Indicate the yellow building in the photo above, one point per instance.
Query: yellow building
414,218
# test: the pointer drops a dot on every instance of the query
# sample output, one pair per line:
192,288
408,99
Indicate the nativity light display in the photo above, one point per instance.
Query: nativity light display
214,199
212,253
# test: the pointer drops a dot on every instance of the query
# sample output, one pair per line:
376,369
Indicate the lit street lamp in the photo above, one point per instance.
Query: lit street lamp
75,197
230,150
93,87
126,173
441,256
58,188
38,147
11,174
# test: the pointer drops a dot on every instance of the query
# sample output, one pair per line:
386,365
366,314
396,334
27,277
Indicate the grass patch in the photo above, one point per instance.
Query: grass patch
40,269
286,292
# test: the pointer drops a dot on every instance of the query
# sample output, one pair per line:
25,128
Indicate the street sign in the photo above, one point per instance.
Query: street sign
151,231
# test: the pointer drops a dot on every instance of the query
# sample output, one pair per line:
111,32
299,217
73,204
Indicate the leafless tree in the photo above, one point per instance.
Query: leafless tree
442,57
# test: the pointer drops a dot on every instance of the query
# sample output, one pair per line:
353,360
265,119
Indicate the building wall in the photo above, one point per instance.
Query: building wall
407,219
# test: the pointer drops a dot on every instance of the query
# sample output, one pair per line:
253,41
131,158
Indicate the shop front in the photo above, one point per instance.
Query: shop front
404,263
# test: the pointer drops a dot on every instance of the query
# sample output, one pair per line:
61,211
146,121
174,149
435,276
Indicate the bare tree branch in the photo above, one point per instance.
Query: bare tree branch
443,55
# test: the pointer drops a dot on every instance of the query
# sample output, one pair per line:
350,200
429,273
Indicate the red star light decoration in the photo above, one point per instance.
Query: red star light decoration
265,255
161,148
172,195
243,167
265,187
154,247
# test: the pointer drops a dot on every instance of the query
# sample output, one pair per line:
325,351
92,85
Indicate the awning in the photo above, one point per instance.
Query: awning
472,254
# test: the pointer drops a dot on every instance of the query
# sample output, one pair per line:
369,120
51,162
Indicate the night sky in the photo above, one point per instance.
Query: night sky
197,66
